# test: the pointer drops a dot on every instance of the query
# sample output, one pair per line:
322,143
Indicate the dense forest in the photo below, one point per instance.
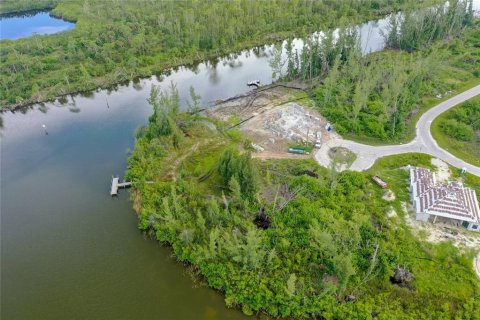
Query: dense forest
115,41
458,131
284,238
10,7
375,95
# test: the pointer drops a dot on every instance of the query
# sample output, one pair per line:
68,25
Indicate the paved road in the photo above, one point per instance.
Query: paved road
424,135
423,142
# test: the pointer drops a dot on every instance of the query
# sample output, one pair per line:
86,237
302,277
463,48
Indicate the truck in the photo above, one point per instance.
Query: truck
297,150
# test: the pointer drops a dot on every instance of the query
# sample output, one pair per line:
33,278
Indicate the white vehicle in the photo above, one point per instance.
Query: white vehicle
318,144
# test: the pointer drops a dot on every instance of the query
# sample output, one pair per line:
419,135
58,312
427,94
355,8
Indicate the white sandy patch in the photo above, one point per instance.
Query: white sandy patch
389,195
439,232
476,265
443,171
391,212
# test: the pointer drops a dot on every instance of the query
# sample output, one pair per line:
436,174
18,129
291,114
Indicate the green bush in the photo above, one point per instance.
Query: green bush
457,130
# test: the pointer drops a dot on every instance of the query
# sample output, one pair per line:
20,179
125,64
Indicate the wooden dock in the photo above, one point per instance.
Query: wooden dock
116,185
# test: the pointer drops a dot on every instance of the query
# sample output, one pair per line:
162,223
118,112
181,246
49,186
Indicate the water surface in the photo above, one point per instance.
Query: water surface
25,25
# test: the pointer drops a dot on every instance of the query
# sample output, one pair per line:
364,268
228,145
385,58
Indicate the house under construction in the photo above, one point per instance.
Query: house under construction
447,202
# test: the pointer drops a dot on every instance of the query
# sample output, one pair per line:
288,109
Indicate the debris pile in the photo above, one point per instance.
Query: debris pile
294,123
402,278
262,220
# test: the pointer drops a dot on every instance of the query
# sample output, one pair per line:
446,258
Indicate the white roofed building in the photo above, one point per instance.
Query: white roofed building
451,201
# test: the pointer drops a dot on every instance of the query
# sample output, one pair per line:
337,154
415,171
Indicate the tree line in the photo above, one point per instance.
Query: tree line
114,41
375,95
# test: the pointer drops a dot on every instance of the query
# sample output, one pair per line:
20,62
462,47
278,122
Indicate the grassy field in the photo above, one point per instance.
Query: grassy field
466,150
342,155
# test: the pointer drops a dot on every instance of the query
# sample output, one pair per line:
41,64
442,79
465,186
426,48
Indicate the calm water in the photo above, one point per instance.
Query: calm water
15,27
70,251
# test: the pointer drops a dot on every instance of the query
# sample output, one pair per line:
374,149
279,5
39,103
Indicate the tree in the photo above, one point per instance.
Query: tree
226,165
241,168
166,105
234,187
194,105
276,62
290,288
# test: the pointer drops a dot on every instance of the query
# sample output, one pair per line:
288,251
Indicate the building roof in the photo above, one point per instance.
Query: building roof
451,200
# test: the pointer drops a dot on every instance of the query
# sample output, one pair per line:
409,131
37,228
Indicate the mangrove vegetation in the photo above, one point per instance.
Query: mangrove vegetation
289,238
115,41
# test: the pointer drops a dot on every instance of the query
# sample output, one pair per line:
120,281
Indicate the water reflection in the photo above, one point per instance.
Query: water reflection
63,100
261,51
72,106
233,64
43,108
226,76
15,26
137,84
86,94
23,14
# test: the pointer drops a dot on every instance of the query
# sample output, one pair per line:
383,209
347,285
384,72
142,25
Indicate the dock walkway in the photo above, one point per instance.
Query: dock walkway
116,185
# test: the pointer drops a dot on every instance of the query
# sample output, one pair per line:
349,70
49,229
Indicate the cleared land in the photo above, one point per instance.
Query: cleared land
272,120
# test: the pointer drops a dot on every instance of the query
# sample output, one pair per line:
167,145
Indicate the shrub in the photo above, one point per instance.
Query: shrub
457,130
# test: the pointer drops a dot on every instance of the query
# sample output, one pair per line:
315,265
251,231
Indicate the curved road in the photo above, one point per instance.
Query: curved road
423,142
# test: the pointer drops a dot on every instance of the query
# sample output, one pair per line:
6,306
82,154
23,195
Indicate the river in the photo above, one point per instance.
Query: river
69,250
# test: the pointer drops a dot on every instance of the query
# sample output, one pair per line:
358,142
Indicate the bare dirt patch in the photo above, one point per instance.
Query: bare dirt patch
274,119
391,212
250,104
443,171
277,128
388,195
264,155
476,265
439,231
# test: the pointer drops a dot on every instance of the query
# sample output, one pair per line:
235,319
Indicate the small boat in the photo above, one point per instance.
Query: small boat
253,83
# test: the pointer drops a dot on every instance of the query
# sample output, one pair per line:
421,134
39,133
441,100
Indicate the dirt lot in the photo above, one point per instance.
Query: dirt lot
441,231
443,172
273,120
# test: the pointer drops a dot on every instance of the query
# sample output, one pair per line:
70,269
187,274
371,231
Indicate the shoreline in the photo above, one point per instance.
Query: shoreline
193,58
